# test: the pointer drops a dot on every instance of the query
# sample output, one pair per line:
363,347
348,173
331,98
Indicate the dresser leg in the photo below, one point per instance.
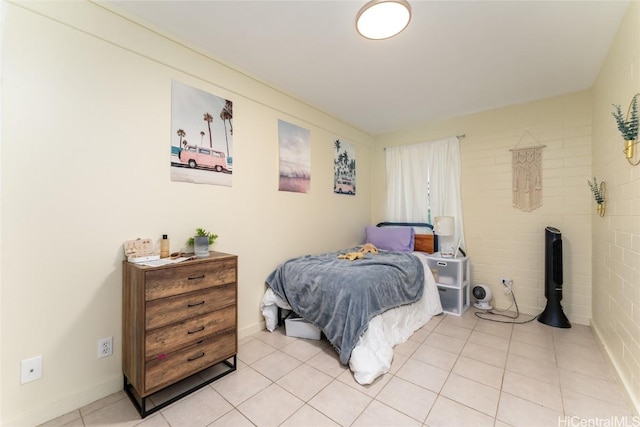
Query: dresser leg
140,403
233,365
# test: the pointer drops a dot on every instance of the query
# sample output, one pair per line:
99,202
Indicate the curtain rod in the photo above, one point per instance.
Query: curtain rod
463,136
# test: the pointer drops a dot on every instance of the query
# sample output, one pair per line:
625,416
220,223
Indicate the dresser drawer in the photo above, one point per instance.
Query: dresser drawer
167,282
165,340
165,311
180,364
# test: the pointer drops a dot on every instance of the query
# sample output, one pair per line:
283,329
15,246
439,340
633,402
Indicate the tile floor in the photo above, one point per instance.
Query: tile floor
455,371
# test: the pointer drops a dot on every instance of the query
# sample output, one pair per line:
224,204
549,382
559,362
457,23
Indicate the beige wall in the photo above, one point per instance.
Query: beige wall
503,241
85,150
616,236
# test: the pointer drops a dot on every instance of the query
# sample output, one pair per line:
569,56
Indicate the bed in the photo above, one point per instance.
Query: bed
364,307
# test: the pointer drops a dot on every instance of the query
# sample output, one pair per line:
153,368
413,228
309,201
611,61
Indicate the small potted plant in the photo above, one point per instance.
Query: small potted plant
598,194
201,242
628,127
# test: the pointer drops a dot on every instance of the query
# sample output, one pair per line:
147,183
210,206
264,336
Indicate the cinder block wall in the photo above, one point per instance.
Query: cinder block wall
504,241
616,236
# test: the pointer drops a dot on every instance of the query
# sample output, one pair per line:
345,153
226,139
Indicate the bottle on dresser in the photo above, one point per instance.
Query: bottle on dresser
164,247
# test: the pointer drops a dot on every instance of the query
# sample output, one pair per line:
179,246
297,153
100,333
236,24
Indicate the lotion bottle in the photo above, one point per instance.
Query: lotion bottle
164,247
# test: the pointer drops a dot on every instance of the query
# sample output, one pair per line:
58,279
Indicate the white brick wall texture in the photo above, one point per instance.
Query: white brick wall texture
616,236
504,241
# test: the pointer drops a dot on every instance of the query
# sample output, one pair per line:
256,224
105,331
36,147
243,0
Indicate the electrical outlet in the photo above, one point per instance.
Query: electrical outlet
30,369
508,283
105,347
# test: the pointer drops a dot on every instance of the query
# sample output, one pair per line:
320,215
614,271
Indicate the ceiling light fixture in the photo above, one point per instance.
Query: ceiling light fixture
381,19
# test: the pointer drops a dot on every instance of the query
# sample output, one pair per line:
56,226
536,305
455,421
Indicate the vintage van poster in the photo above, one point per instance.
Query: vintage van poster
344,167
201,136
295,158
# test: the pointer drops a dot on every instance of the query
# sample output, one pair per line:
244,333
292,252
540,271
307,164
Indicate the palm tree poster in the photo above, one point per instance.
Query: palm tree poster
295,158
344,168
201,136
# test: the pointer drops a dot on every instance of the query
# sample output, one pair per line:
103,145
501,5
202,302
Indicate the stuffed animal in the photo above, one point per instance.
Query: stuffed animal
351,256
365,249
369,247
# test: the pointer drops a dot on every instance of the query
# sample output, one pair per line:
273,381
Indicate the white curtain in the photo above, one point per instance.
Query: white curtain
423,181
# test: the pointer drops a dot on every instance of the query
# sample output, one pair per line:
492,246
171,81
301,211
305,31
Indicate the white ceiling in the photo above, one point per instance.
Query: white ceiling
455,57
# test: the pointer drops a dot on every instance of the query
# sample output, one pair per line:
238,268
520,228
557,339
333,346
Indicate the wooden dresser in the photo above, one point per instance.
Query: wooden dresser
177,320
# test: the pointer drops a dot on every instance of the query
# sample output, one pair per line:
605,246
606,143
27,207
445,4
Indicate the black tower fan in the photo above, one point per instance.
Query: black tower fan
553,314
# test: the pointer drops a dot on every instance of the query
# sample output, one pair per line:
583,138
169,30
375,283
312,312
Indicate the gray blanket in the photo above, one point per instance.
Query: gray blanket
341,296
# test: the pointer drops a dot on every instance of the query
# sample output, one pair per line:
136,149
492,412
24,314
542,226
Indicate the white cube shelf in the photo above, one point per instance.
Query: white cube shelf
452,276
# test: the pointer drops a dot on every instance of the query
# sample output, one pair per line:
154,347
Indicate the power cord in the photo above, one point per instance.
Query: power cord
497,312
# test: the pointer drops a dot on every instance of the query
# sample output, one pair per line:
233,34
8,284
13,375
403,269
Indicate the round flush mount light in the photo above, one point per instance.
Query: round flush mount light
381,19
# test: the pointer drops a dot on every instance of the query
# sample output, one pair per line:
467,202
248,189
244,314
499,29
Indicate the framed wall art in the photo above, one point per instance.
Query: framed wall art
201,136
344,168
295,158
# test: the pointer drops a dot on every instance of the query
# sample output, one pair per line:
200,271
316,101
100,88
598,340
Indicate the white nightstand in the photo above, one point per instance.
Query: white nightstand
453,279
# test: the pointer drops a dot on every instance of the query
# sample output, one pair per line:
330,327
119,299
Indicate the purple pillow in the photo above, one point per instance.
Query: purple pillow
390,238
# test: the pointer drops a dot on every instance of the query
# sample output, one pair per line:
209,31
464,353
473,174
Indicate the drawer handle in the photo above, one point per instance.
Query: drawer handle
195,304
196,278
201,328
442,263
191,359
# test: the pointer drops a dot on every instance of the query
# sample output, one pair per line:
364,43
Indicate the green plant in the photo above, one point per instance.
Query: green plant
202,232
628,128
595,189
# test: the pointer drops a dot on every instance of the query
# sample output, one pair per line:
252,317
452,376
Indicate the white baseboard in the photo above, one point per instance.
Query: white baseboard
251,329
78,400
68,404
632,401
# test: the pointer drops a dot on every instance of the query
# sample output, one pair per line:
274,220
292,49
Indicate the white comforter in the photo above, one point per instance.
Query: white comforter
373,354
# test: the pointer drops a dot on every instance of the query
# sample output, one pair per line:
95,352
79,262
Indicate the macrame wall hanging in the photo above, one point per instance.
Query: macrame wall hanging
527,175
